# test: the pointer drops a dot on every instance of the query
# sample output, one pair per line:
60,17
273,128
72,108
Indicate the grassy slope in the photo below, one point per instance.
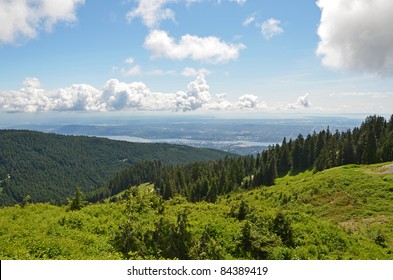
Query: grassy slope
335,214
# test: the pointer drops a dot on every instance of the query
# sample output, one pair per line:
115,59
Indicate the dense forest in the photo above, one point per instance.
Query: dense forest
48,167
370,143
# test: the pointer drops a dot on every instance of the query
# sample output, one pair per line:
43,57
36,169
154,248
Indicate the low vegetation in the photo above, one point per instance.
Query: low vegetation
340,213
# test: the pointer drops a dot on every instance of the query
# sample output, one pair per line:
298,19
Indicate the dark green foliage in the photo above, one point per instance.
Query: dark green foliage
208,247
77,202
49,167
282,227
243,211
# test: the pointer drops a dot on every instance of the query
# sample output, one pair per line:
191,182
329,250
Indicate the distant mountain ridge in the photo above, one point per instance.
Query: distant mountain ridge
49,167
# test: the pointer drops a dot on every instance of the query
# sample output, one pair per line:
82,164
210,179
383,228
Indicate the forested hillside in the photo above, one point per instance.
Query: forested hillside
49,167
370,143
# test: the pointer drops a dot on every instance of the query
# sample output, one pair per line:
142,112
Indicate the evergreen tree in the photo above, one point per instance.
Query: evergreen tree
297,154
284,162
347,150
77,202
282,227
370,151
183,237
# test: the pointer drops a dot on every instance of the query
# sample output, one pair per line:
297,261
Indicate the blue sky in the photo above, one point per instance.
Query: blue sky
283,56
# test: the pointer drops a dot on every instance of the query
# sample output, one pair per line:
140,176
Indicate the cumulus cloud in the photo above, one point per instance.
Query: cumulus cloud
32,98
302,102
207,49
220,103
356,35
195,97
248,101
24,19
117,96
271,28
79,97
152,12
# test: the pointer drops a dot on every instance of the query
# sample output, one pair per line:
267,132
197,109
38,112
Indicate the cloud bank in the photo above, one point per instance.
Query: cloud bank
24,19
356,35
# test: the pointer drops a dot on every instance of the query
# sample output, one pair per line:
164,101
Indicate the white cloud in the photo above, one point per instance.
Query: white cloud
207,49
356,35
32,83
114,96
248,21
302,102
220,103
152,12
161,72
364,94
133,71
191,72
79,97
117,96
196,96
271,28
248,101
32,98
129,60
240,2
130,70
24,19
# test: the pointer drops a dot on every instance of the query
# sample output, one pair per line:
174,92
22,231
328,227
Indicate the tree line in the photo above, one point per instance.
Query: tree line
370,143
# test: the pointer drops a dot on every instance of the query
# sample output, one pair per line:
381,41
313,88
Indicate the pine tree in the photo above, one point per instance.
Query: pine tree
77,202
282,227
370,151
284,162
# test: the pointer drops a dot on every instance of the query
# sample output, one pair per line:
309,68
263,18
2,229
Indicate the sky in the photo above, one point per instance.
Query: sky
206,56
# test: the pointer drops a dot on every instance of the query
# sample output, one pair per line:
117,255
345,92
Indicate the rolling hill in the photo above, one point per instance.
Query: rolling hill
49,167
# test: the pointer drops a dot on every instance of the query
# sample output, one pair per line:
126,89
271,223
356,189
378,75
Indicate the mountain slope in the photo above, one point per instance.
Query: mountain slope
49,167
341,213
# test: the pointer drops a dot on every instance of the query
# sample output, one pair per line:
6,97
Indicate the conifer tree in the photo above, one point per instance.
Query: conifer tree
77,202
